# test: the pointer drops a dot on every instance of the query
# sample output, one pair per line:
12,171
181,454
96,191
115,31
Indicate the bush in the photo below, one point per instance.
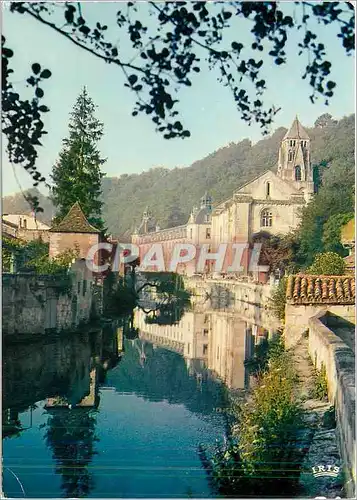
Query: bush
43,264
121,298
320,390
261,454
279,299
266,351
329,263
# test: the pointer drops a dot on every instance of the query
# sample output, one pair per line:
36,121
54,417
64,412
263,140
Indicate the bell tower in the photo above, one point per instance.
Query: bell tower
294,159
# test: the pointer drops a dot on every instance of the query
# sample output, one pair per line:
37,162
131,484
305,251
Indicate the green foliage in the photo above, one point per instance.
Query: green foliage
329,263
278,299
261,454
320,389
277,251
43,264
332,233
182,38
264,353
77,174
23,253
34,250
120,298
11,250
334,146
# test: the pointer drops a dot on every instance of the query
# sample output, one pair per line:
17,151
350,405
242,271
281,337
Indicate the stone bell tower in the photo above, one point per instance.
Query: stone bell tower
294,163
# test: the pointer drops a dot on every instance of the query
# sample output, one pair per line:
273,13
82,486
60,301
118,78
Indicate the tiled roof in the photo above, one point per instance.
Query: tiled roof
74,222
308,289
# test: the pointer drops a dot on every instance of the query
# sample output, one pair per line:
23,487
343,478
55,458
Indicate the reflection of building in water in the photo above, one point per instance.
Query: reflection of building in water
231,342
86,395
188,337
219,341
11,422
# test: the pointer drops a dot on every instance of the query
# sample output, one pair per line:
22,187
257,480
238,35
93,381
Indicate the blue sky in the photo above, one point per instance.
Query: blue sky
130,144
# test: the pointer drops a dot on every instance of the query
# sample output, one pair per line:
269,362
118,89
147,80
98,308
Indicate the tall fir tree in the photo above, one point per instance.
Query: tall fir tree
77,174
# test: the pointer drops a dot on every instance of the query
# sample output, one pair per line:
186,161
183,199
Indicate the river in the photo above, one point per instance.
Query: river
95,414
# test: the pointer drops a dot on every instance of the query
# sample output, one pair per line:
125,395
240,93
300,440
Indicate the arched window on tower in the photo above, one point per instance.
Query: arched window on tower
290,156
266,218
267,189
298,173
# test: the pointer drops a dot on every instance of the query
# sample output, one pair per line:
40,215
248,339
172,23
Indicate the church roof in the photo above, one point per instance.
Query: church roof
200,216
296,131
74,222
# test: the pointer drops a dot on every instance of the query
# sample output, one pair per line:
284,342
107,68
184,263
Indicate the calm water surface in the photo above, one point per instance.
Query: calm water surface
98,415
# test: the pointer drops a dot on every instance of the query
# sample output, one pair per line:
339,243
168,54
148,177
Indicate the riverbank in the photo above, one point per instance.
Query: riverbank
281,432
319,430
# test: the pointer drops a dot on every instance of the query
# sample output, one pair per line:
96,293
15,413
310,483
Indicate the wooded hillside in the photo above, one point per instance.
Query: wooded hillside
171,193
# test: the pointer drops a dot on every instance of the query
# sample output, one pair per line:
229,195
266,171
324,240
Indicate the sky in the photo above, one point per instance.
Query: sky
207,109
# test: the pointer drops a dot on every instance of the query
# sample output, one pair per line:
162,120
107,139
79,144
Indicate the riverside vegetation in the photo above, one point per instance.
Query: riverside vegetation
260,456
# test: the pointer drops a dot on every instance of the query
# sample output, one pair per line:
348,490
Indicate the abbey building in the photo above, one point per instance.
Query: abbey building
271,202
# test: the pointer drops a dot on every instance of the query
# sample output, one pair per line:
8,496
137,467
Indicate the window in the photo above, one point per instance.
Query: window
25,223
208,233
188,348
207,218
268,188
298,173
205,332
205,349
218,352
84,287
266,219
79,287
290,156
191,233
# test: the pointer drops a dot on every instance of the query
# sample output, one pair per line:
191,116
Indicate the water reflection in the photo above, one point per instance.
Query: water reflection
213,341
65,373
115,412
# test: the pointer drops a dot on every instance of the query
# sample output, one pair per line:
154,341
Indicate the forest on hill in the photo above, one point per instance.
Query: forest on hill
171,193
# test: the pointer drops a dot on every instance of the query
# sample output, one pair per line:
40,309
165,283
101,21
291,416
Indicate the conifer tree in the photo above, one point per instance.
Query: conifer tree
77,173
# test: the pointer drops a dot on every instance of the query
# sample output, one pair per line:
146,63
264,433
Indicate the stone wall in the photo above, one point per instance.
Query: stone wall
33,234
241,290
252,301
328,349
34,304
297,318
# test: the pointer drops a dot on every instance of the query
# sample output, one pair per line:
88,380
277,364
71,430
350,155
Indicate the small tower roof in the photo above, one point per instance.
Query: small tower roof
74,222
296,131
206,200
